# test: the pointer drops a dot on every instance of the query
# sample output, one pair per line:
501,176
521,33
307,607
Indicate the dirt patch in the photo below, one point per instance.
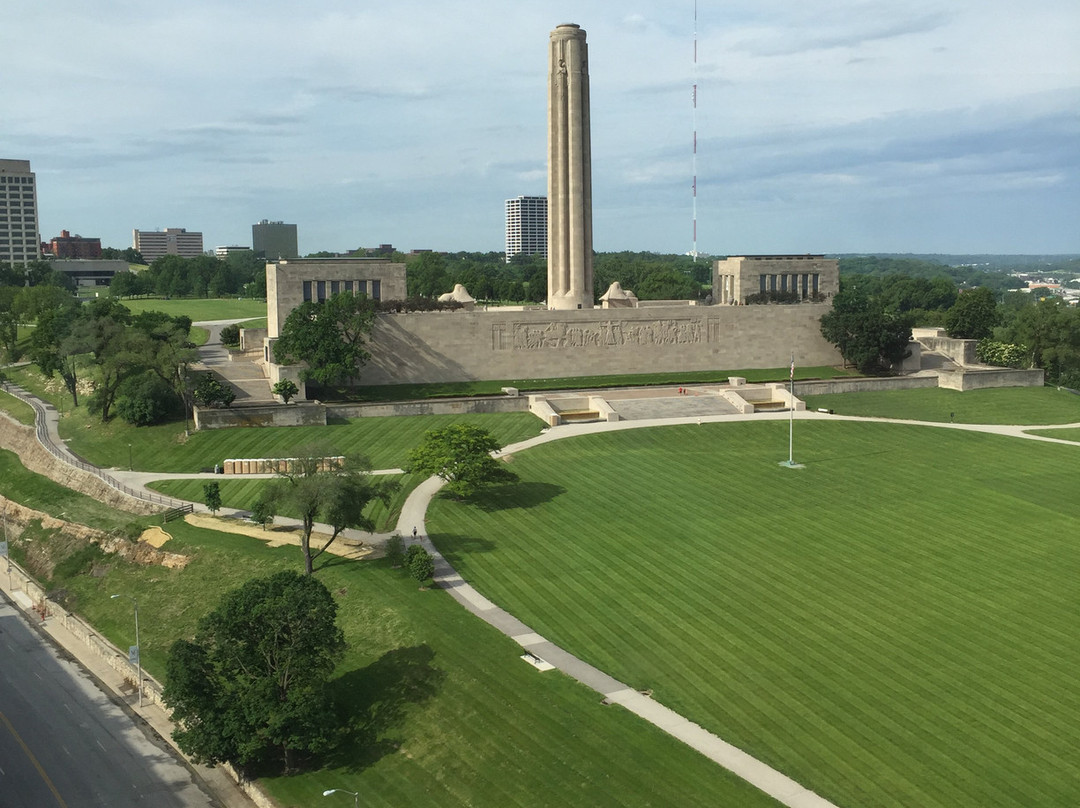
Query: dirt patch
279,536
154,536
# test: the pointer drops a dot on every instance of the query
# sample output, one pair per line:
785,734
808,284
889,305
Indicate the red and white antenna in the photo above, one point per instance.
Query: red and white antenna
694,252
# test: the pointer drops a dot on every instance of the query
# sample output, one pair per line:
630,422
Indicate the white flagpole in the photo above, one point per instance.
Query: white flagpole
791,411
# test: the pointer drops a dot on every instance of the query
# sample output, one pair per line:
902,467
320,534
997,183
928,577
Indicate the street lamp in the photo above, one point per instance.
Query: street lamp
356,795
130,467
138,648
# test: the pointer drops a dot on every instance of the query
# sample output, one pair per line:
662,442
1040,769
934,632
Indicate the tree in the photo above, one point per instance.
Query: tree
212,496
419,563
868,336
230,335
253,679
461,454
286,388
146,399
329,337
973,315
264,509
337,491
210,392
427,275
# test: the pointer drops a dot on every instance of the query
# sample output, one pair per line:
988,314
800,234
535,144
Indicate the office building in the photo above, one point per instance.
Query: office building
68,246
526,226
20,241
171,241
274,240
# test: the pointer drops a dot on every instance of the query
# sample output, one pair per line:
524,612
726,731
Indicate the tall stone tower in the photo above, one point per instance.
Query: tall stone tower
570,269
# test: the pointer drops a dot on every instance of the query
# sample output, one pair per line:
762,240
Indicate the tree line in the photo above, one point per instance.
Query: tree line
239,274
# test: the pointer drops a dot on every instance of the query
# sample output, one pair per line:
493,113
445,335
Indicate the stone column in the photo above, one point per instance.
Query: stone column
570,270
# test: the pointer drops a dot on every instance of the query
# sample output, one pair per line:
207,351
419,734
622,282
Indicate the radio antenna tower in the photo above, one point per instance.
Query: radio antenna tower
694,251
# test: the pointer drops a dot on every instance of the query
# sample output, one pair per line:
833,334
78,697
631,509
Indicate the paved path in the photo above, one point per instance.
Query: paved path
245,377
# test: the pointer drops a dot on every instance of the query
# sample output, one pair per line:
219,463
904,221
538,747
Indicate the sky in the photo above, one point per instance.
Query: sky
831,126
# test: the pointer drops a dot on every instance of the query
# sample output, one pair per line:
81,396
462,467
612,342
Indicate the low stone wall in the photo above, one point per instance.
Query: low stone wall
961,351
440,406
982,379
823,387
300,414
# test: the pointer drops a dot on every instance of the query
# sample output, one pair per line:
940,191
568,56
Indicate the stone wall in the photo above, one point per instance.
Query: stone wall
469,346
302,414
22,440
445,406
961,351
863,385
982,378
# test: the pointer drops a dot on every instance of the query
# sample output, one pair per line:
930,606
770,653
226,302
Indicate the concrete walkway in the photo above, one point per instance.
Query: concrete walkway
245,377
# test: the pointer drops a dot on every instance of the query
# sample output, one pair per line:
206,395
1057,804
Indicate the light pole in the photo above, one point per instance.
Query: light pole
356,795
138,648
130,467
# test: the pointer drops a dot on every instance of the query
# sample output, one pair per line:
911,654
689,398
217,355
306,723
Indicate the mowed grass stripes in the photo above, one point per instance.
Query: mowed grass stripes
891,625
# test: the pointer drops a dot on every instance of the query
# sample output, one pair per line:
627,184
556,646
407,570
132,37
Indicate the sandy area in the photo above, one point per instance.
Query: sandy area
154,536
278,536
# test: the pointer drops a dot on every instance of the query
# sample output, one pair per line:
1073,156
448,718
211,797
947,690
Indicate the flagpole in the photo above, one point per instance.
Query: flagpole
791,412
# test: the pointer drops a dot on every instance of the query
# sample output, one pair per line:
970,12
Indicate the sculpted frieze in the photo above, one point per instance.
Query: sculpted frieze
606,334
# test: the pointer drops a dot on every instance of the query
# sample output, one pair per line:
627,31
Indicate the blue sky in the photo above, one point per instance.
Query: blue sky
823,126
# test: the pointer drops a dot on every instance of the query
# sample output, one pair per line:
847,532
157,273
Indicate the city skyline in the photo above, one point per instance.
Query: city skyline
822,127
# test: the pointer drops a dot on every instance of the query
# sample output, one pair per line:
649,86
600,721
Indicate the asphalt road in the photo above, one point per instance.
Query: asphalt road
64,743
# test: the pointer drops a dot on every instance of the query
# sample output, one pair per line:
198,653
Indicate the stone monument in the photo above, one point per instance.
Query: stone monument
570,271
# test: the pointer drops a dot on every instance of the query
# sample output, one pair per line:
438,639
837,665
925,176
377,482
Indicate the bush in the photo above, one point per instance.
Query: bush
419,563
395,550
1001,354
263,510
760,298
146,399
230,335
286,388
210,392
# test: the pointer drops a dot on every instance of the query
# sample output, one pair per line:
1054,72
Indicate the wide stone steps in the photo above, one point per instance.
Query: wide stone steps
639,409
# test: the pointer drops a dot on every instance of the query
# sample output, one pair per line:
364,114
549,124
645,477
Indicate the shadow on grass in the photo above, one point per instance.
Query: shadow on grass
376,701
455,546
513,495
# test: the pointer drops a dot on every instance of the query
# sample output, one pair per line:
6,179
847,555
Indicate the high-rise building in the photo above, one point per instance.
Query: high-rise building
526,226
274,240
172,241
20,241
570,238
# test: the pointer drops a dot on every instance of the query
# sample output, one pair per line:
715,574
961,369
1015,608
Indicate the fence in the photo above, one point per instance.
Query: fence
65,455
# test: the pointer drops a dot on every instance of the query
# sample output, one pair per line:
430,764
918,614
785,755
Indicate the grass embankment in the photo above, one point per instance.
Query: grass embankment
242,494
42,494
894,624
443,712
17,408
1004,405
407,392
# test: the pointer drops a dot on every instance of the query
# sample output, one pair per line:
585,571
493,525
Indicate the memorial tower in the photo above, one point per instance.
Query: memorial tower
570,270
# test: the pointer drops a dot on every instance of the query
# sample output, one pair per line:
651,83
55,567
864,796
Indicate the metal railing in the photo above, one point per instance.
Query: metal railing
65,455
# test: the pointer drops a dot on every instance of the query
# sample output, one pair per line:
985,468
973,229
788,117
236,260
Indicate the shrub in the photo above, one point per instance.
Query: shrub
419,563
1001,354
210,392
286,388
230,335
146,399
395,550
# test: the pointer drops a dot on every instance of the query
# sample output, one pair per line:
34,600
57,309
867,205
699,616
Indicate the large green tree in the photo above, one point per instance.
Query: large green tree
973,315
461,454
329,337
251,683
319,487
866,334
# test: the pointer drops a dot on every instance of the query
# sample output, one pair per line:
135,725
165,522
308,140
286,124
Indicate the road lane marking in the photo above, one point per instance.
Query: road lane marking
34,760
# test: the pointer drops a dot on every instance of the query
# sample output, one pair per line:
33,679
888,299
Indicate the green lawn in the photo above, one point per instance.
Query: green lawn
446,714
199,309
894,624
1072,434
242,494
17,408
1005,405
385,441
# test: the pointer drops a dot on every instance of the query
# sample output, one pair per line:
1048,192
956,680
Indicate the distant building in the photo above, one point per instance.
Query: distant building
225,252
68,246
802,277
274,240
526,226
89,272
20,241
172,241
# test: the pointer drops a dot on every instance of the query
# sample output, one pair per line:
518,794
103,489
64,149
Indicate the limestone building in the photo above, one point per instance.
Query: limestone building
806,277
20,241
526,226
171,241
290,283
570,238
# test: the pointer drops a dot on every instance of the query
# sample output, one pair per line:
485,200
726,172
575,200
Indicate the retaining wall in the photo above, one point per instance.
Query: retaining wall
442,406
298,414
